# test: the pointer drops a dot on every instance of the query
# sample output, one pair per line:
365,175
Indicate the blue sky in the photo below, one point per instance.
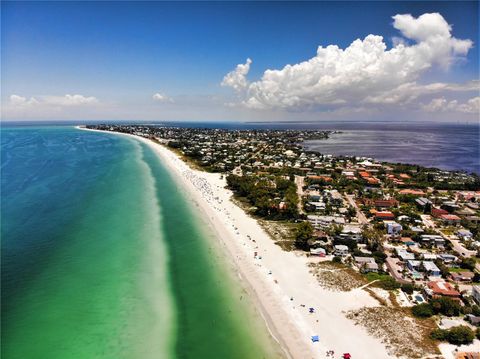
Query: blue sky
115,56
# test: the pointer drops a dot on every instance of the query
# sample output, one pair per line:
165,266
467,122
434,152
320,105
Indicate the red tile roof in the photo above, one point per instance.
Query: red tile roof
443,288
385,215
450,217
438,212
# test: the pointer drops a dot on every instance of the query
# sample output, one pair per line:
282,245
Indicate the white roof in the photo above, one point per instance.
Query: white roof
430,266
317,251
351,229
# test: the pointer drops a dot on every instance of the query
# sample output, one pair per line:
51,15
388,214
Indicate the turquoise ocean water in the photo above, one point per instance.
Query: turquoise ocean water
104,256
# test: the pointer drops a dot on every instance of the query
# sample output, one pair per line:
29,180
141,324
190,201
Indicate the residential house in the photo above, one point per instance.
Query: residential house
316,206
476,293
431,269
385,203
438,212
450,218
324,221
366,264
462,276
386,215
352,232
320,252
427,267
404,255
341,250
434,239
447,258
393,228
441,288
422,202
464,234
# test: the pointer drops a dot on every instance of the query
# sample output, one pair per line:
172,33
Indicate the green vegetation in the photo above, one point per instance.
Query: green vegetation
456,335
376,276
407,288
303,234
442,305
388,283
423,310
337,259
274,197
468,263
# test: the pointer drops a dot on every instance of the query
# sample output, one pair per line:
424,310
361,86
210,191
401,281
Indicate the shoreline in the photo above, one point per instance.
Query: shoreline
278,282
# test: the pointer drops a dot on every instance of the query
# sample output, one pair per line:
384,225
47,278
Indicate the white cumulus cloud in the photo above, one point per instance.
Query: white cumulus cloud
365,72
443,105
161,97
61,101
16,100
237,78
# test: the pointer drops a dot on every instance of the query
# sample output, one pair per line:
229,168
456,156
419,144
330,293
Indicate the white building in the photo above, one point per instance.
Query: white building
366,264
341,250
476,293
404,255
323,221
393,228
352,232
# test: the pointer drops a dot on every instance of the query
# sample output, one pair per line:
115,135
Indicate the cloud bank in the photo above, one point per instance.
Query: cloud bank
365,73
56,101
443,105
49,106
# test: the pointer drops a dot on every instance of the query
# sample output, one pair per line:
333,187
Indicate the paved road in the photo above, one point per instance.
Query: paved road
395,270
461,250
360,216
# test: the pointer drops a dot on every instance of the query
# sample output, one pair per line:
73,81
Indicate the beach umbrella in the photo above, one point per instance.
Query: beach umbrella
347,356
315,338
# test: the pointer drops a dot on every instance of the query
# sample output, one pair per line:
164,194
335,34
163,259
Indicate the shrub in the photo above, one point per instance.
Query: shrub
388,284
445,306
456,335
337,259
407,288
439,334
423,310
460,335
303,233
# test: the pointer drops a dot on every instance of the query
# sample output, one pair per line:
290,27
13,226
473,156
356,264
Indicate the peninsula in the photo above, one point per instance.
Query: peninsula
330,245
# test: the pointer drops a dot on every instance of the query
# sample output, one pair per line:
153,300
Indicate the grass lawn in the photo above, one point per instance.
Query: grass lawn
456,270
374,276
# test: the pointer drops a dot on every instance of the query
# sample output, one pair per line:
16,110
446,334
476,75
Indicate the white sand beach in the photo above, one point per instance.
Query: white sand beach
280,281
